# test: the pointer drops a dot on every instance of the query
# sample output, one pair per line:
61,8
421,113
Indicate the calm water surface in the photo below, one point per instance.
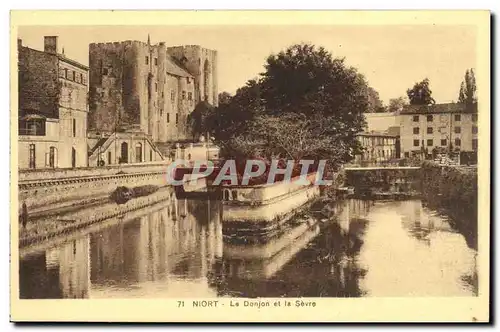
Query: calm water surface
177,249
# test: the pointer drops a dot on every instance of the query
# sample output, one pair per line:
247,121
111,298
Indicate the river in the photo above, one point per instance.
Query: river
176,249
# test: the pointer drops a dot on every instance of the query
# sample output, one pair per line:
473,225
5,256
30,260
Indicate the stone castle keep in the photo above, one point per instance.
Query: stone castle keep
130,105
149,87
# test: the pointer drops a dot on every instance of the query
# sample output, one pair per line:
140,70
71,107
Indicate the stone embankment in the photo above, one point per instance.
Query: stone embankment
44,191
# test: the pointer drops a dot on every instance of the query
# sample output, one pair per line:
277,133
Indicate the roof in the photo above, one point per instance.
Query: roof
71,62
439,108
172,67
395,130
98,144
378,134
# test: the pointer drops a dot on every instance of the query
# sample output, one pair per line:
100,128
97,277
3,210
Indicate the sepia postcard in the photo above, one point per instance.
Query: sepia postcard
250,166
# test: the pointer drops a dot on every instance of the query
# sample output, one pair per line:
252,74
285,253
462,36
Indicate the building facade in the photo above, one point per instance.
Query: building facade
130,146
154,87
378,147
427,130
381,121
53,108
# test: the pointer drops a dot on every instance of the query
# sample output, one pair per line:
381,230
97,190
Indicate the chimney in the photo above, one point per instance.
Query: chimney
50,44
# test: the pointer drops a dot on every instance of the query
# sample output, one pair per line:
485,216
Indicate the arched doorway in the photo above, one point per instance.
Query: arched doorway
138,153
124,153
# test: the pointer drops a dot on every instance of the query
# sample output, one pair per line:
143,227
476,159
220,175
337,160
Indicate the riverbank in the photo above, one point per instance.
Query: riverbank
42,229
454,190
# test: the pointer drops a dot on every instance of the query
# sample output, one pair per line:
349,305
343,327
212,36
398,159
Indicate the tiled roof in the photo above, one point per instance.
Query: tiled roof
439,108
395,130
377,134
173,68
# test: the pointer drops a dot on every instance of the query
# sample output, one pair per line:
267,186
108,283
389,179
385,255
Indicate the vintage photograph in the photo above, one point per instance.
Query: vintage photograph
249,162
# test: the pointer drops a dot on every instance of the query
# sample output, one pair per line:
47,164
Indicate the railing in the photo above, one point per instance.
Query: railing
31,132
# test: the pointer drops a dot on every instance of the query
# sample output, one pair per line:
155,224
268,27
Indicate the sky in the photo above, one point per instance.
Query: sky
391,57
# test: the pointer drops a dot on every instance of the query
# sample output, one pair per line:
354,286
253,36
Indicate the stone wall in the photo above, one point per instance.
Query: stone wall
56,188
385,179
39,87
454,189
202,63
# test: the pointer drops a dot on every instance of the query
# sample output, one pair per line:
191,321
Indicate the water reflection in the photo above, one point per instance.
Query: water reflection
346,249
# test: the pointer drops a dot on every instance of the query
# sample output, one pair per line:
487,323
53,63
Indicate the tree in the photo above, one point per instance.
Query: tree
420,94
396,104
305,104
224,98
198,120
375,105
467,94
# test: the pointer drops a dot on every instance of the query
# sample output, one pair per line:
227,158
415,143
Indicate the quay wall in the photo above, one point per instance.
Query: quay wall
385,179
455,190
63,187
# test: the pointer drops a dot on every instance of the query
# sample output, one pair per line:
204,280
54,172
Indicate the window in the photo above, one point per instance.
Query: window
457,117
474,117
105,71
81,78
168,117
176,118
416,130
147,60
416,142
443,142
407,155
66,73
52,157
183,95
74,127
150,155
474,129
162,94
156,87
109,157
415,118
33,127
172,95
474,144
430,118
190,96
156,61
457,130
430,130
138,152
161,112
74,76
32,156
188,80
430,142
458,142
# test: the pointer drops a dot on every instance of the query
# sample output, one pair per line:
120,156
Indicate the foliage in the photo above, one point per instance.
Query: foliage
224,98
420,94
375,105
467,94
306,104
396,104
198,120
